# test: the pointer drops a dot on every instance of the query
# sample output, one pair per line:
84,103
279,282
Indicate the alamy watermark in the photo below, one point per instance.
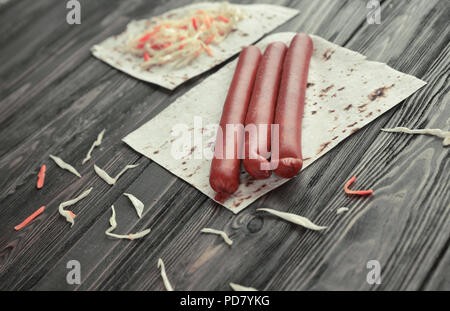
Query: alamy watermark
374,274
74,274
73,16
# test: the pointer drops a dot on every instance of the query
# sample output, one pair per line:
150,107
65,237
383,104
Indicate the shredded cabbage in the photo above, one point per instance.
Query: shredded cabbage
179,41
65,165
113,226
108,179
96,143
164,275
68,214
296,219
221,233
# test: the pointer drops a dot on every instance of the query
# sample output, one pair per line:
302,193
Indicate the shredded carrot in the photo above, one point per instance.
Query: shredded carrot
72,214
194,23
150,34
41,177
146,56
358,192
223,19
208,50
209,39
30,218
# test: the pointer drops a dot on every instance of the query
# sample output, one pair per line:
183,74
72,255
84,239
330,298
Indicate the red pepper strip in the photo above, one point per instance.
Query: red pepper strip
30,218
146,56
183,27
223,19
140,46
41,177
72,214
181,47
358,192
194,23
182,38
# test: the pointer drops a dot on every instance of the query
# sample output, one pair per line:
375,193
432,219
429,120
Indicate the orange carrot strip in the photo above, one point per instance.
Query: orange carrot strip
72,214
209,39
208,50
207,21
41,177
30,218
150,34
223,19
146,56
358,192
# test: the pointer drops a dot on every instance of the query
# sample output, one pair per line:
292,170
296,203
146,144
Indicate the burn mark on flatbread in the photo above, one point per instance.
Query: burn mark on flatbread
362,107
348,107
313,112
307,159
308,85
156,152
353,124
324,91
327,88
323,147
380,92
335,137
354,130
327,54
369,114
331,111
341,88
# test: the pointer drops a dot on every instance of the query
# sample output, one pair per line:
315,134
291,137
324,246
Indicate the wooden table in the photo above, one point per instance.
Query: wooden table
55,97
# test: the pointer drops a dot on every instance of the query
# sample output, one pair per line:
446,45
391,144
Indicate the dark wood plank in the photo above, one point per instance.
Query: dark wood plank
58,101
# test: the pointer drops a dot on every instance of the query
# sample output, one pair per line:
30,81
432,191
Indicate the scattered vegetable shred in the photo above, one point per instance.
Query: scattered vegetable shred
180,41
296,219
108,179
341,210
357,192
240,288
96,143
164,275
131,236
65,165
41,177
68,214
138,205
218,232
30,218
435,132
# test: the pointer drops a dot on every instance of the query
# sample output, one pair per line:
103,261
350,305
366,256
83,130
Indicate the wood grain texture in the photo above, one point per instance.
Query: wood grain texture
55,98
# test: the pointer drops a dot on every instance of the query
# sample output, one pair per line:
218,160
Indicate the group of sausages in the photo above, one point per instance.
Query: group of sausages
266,90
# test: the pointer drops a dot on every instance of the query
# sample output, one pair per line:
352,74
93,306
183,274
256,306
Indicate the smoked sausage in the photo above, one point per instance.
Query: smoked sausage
261,111
290,106
225,167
